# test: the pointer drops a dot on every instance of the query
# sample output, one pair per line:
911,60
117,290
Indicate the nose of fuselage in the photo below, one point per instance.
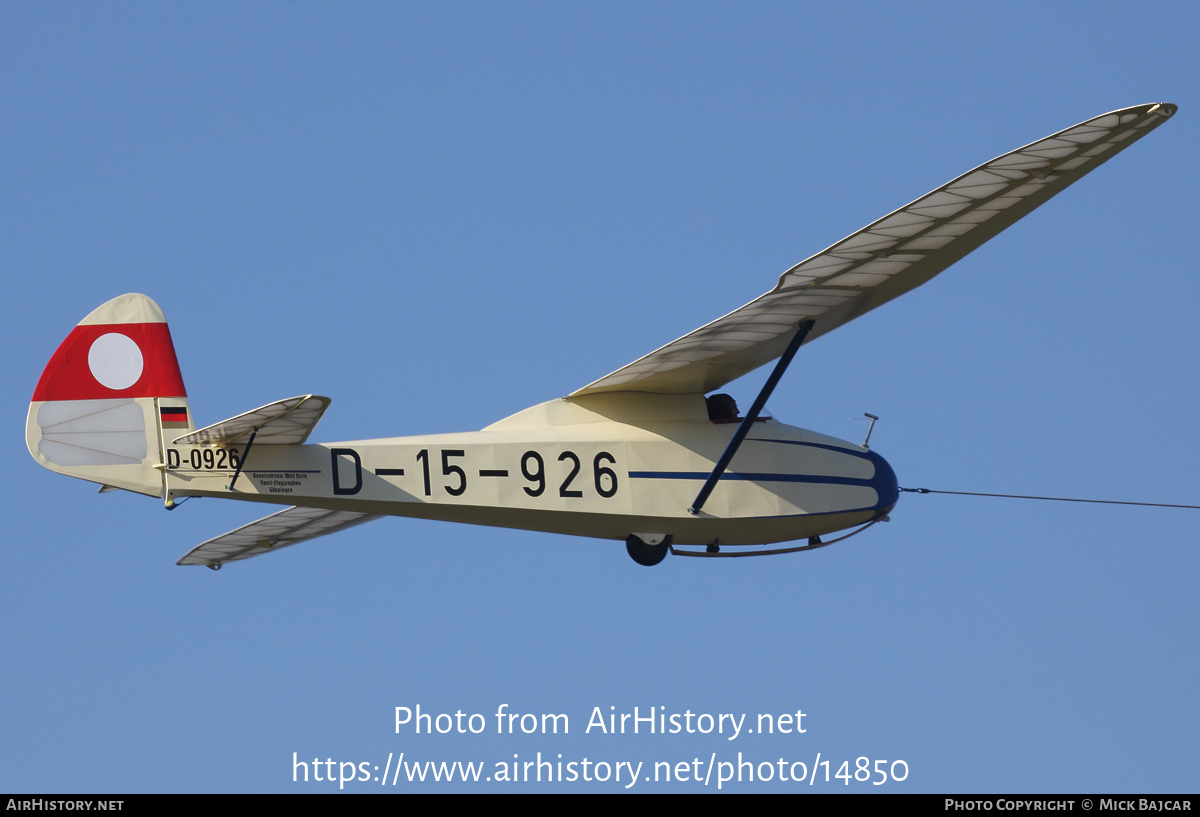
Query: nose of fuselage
887,489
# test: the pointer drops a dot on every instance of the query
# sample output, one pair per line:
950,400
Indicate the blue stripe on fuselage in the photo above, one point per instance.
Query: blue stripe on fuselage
884,481
702,475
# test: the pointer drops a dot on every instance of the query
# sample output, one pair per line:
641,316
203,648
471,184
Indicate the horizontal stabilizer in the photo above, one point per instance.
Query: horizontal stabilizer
286,422
288,527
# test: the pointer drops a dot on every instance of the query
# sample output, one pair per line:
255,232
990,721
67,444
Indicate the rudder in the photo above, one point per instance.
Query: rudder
100,406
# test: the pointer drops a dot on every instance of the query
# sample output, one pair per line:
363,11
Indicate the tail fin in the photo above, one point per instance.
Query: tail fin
99,410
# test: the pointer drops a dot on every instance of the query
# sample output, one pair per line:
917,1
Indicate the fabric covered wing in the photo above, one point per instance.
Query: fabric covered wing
897,253
279,530
286,422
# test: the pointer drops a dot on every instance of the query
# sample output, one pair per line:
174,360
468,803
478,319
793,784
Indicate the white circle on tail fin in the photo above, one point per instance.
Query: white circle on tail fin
115,361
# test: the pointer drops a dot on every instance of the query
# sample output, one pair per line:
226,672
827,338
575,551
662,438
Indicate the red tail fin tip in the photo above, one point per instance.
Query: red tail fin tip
122,349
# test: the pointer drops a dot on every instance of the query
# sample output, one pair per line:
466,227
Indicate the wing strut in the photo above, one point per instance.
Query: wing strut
242,461
752,415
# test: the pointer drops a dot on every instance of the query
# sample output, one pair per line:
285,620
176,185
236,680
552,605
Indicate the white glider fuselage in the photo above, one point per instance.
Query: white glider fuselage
635,455
602,466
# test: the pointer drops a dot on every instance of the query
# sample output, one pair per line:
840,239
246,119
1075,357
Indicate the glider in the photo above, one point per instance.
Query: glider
640,455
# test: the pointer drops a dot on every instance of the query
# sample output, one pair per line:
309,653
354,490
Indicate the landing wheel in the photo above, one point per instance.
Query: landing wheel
648,555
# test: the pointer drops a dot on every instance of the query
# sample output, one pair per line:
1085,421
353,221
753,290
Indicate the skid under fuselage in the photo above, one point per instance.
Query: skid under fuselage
603,466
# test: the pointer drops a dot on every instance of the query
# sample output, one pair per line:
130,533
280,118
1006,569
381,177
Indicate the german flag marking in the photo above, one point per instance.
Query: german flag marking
173,416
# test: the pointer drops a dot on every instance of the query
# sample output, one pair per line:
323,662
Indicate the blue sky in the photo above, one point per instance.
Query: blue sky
440,214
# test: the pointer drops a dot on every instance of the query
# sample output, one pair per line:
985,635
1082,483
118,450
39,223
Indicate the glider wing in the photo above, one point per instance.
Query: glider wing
895,254
286,422
279,530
